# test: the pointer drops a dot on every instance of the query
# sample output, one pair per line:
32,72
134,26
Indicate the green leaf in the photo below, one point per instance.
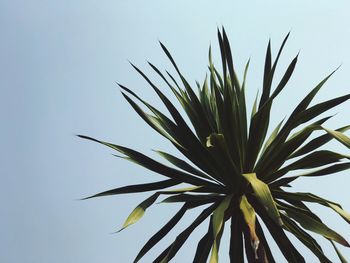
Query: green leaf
161,233
260,122
316,143
182,190
254,108
299,119
312,160
267,70
307,100
305,238
153,165
273,160
286,247
340,211
218,222
217,145
183,165
209,198
201,117
171,250
139,211
218,215
316,226
316,159
264,244
272,136
243,107
263,194
204,245
341,257
159,123
269,74
283,182
308,197
137,188
236,239
318,109
339,136
328,170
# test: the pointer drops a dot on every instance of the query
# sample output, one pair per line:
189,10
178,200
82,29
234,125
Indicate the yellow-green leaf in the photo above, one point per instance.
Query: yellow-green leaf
262,192
339,136
139,211
218,221
250,218
340,211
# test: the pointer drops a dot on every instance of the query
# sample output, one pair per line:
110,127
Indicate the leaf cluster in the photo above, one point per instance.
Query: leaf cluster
235,171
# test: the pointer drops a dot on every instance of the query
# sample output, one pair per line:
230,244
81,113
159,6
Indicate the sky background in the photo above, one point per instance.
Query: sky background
59,61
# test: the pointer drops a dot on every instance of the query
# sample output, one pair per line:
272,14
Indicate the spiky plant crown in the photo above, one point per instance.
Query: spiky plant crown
233,170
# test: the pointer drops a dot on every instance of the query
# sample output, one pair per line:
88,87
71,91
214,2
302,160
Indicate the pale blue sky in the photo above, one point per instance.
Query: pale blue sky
58,64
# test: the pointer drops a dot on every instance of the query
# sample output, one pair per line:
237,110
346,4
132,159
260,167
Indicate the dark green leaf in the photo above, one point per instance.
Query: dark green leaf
161,233
313,225
138,188
204,245
170,252
236,240
153,165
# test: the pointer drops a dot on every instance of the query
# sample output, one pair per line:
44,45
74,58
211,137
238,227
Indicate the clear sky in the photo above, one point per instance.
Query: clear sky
59,61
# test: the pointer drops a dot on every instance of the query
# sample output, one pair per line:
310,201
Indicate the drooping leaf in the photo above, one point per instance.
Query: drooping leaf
286,247
339,136
264,196
312,160
316,143
308,197
249,216
305,238
313,225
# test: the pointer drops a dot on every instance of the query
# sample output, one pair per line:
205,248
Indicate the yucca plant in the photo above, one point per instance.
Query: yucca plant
232,170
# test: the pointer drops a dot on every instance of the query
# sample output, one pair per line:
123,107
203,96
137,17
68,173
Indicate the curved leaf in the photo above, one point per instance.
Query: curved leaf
139,211
263,194
339,136
313,225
